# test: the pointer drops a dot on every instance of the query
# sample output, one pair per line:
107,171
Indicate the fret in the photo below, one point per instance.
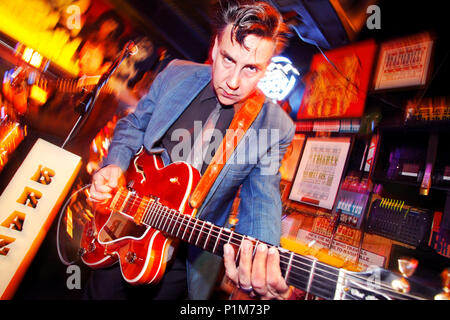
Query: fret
159,217
200,233
255,246
324,281
181,225
146,217
152,218
300,270
224,234
339,292
209,234
176,220
192,231
310,278
239,248
217,241
166,217
169,219
230,236
175,216
289,266
187,227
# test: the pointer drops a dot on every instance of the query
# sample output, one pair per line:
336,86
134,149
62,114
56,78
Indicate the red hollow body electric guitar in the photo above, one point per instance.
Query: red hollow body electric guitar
141,226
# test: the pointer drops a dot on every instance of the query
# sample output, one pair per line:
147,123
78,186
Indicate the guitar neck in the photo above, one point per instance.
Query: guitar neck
302,272
69,85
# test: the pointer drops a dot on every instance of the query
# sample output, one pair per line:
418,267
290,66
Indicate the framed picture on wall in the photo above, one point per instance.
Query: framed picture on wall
338,90
404,62
319,173
290,160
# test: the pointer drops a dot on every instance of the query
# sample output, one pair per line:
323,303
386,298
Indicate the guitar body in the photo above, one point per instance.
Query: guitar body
142,251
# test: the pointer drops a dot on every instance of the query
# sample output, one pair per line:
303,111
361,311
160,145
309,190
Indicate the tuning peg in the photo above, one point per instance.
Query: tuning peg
445,294
407,267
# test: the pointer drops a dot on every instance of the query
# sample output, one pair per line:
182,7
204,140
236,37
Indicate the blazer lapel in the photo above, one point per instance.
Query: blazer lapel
175,102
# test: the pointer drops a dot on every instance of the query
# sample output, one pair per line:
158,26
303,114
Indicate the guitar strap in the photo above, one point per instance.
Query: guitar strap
242,120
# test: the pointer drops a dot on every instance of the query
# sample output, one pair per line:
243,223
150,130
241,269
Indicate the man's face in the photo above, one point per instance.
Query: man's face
236,70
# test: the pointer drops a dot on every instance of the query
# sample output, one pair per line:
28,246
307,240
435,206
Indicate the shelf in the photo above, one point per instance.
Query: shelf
439,125
381,180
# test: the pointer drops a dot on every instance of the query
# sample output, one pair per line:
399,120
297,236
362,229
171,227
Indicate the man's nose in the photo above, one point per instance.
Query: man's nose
233,79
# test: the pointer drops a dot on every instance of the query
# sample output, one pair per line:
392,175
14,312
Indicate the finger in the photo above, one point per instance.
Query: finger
259,270
102,188
98,197
229,263
276,284
245,264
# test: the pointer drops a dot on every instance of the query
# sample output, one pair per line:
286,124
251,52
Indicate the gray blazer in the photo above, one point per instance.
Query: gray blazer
253,166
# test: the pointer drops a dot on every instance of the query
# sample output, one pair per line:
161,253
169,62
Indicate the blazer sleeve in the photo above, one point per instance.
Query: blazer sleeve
260,204
130,130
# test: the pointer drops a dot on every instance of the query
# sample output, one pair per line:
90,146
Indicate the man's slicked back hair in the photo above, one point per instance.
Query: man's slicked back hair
250,17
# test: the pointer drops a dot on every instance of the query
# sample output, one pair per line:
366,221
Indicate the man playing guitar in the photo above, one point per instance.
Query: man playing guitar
248,34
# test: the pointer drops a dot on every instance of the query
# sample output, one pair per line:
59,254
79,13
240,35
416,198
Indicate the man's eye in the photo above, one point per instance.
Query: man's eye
228,60
252,69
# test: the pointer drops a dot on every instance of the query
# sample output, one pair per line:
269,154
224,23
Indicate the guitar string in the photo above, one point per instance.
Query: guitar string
171,218
172,213
215,236
282,256
214,233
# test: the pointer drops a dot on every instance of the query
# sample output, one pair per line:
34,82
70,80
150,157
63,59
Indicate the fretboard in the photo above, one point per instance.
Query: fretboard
302,272
69,85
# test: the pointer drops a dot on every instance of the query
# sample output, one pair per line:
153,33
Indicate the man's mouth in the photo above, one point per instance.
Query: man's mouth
228,95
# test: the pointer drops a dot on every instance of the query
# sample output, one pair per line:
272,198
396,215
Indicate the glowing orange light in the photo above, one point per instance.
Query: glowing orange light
27,54
9,142
36,60
32,57
38,94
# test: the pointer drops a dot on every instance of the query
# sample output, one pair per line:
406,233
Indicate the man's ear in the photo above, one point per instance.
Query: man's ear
214,49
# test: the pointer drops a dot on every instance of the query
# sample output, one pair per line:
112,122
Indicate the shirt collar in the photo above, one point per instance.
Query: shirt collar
208,92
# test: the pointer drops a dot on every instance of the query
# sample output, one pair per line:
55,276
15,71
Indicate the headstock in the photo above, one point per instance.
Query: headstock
445,294
380,284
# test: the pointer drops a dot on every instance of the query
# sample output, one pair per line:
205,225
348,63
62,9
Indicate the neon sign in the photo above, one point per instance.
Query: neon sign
280,78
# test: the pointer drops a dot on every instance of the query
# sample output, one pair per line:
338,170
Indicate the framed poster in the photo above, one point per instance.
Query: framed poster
290,160
320,171
404,62
336,85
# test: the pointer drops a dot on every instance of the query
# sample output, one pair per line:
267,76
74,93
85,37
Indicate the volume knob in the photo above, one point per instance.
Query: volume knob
406,266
